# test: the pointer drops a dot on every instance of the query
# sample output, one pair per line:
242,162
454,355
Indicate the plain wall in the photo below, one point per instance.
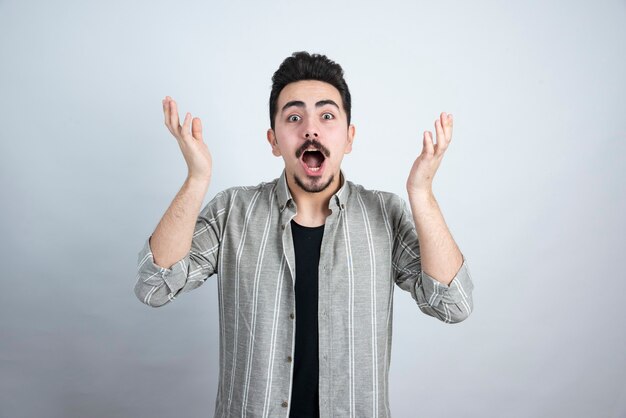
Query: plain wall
532,188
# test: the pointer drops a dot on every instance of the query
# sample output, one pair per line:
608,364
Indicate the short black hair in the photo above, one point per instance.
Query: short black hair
304,66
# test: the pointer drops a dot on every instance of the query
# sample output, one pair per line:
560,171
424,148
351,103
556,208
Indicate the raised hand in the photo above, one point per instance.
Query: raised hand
425,166
189,137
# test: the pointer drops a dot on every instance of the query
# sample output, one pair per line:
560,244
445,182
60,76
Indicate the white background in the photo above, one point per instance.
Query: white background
532,188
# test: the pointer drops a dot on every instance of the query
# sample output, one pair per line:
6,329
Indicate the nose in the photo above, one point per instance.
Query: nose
310,134
310,130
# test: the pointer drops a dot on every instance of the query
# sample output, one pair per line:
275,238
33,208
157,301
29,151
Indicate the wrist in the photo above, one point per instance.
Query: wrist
198,182
422,194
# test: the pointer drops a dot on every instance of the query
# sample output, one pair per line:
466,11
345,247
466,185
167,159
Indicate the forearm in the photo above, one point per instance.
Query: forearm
440,256
171,240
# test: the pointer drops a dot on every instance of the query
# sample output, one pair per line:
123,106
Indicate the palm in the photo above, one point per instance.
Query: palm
426,165
189,137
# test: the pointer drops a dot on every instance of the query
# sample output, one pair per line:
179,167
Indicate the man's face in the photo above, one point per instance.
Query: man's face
311,133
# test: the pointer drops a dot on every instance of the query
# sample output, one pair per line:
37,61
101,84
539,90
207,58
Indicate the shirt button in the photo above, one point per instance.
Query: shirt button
289,359
291,315
284,404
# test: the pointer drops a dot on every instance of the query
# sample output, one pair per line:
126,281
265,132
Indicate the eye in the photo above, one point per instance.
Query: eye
293,118
328,116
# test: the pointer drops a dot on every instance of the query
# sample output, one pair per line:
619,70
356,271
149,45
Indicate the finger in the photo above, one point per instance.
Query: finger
186,125
441,140
428,147
446,121
438,130
196,129
166,111
174,122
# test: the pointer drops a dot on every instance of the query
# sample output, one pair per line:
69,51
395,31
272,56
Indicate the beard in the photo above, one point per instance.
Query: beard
313,185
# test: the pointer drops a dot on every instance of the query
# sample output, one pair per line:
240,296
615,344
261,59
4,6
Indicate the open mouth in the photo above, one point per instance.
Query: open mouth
313,160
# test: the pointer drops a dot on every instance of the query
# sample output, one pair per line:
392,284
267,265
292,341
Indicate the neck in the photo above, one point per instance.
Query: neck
313,207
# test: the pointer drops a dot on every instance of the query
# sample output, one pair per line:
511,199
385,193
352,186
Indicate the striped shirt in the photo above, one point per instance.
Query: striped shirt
243,235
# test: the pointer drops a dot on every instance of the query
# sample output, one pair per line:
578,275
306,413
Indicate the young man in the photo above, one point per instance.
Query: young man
306,264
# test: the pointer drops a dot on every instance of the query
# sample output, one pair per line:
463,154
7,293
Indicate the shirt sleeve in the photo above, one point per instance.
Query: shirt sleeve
449,303
156,285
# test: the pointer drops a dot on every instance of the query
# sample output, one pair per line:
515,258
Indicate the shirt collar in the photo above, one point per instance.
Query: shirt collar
282,191
285,199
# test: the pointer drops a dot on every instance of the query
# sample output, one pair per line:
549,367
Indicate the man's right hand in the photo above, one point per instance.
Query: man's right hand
189,137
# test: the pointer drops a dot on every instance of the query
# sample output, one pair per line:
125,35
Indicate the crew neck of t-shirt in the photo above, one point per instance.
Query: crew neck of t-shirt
307,227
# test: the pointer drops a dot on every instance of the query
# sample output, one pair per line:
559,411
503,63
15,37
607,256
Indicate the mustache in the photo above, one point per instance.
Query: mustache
312,143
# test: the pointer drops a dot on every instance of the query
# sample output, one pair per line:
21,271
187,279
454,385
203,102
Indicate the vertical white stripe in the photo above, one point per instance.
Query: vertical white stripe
346,235
220,295
446,310
272,354
257,276
374,319
463,296
237,266
389,301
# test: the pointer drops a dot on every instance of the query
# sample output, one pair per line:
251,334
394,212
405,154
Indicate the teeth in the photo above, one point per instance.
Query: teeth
314,168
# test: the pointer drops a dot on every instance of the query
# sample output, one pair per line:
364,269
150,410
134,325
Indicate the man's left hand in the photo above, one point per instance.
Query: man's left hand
420,179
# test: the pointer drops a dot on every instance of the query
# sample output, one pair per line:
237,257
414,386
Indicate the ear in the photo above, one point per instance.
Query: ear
351,132
271,138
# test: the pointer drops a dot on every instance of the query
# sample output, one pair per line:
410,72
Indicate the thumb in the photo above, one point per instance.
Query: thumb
196,129
428,147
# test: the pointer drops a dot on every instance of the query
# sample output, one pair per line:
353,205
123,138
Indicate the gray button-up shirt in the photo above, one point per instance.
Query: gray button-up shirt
244,236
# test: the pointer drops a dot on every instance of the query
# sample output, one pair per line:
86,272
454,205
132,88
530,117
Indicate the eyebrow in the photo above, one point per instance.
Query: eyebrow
300,103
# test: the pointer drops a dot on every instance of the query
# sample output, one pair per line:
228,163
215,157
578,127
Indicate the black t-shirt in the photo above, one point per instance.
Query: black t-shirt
305,390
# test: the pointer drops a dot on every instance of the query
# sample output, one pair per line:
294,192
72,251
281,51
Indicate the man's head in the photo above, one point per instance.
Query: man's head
310,121
304,66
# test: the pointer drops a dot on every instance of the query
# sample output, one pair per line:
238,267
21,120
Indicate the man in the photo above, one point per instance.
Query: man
306,264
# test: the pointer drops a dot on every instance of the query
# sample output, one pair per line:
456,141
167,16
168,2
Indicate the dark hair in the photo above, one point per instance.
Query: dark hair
304,66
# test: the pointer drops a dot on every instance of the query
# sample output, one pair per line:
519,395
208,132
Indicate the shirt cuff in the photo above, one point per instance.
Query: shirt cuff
459,289
155,275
